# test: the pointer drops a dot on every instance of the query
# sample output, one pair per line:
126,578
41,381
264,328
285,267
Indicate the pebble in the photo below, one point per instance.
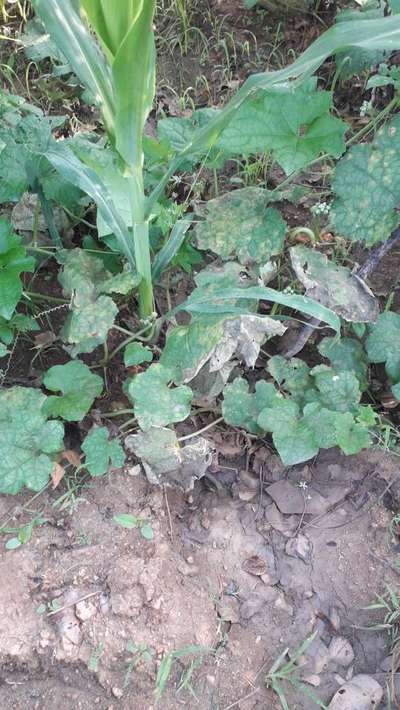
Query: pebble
117,692
188,570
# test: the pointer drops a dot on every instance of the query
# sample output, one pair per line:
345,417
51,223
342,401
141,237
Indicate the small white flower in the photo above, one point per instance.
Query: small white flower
303,485
365,108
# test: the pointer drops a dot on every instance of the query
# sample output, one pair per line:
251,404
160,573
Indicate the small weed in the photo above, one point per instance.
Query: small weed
167,664
95,657
139,653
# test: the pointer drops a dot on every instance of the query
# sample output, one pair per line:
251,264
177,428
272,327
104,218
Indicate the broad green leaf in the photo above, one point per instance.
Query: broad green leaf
293,375
242,224
79,387
322,422
3,350
147,531
156,404
101,453
346,354
126,520
27,440
367,188
294,123
293,437
136,354
188,348
334,286
338,391
383,343
74,40
223,301
13,262
18,322
351,436
242,409
93,314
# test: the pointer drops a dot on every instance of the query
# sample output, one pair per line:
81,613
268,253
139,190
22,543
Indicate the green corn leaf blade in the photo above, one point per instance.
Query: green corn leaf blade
66,28
355,60
27,440
133,71
70,167
13,262
156,404
100,452
206,303
135,354
242,224
171,247
80,387
367,188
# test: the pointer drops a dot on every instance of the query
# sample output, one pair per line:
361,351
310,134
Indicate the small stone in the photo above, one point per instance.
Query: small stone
211,679
312,679
205,522
187,570
282,605
228,610
299,546
85,609
361,693
245,494
134,470
117,692
190,560
340,651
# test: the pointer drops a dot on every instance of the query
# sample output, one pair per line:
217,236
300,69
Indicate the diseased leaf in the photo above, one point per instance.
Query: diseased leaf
293,375
334,286
136,354
338,391
92,315
13,262
242,224
156,404
167,463
352,437
383,345
367,188
101,453
346,354
27,440
79,386
188,348
293,436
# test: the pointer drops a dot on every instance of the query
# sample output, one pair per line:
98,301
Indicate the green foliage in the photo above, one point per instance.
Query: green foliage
367,188
100,452
28,440
17,323
346,354
156,404
136,354
242,224
79,387
354,60
13,262
85,279
320,409
383,345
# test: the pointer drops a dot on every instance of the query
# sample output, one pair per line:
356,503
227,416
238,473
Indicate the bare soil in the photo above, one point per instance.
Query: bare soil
226,571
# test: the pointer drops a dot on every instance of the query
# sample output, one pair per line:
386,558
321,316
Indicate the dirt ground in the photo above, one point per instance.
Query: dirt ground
242,571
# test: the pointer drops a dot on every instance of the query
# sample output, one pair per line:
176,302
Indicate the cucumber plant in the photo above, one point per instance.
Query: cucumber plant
111,49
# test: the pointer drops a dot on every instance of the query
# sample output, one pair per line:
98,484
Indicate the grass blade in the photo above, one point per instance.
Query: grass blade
171,247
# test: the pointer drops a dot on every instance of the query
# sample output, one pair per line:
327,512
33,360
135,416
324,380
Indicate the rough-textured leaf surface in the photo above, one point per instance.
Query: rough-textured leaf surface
334,286
242,408
79,387
383,345
136,354
93,313
293,375
27,440
13,262
101,453
295,124
346,354
156,404
189,347
367,188
338,391
167,463
242,224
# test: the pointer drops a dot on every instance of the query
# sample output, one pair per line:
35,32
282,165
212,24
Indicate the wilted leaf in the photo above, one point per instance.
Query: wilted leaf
27,440
136,354
100,452
242,224
167,463
72,457
156,404
79,386
334,286
189,348
13,261
57,474
367,188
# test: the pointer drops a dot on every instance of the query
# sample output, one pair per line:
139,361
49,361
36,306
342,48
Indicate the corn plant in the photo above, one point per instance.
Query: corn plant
117,66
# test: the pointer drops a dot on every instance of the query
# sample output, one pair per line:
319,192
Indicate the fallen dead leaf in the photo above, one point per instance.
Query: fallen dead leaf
58,474
255,565
72,457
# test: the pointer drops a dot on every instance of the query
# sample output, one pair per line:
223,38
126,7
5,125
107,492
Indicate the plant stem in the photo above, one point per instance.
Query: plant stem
143,265
118,413
44,297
